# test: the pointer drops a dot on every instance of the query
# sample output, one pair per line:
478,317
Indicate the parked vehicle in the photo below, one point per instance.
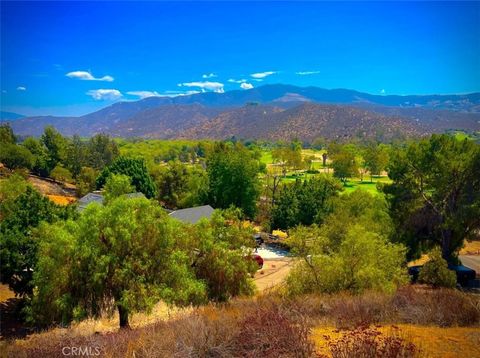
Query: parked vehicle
464,274
258,259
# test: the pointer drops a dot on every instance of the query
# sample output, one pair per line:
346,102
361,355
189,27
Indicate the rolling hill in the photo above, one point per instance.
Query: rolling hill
271,112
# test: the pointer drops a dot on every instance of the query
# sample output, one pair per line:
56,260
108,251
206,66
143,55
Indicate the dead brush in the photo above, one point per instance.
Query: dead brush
267,332
350,311
441,307
368,342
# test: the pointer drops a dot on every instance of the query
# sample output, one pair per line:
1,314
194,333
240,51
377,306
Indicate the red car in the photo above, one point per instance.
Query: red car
259,260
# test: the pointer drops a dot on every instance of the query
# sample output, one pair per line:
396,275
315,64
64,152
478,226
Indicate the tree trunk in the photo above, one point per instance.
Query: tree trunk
446,243
123,314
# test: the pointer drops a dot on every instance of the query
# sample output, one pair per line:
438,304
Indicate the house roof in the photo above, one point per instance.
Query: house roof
97,197
90,198
193,215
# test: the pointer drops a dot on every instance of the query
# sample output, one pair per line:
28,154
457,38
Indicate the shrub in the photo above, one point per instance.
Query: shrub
436,273
269,333
366,342
61,174
442,307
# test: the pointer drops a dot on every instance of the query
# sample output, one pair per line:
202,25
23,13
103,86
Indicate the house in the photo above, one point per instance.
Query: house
97,197
193,215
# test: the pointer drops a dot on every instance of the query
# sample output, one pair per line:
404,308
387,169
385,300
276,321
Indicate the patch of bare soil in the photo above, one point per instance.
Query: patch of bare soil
272,274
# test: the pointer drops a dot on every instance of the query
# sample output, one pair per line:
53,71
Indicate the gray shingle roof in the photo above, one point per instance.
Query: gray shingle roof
89,198
193,215
97,197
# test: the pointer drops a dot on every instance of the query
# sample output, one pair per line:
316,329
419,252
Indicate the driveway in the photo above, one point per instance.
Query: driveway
471,261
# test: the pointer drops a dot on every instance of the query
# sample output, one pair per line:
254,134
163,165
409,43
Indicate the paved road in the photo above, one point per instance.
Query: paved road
471,261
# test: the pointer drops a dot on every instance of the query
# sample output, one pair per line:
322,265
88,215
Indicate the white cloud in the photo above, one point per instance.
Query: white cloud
382,91
206,85
209,75
306,73
87,76
105,94
21,88
144,94
231,80
246,85
263,74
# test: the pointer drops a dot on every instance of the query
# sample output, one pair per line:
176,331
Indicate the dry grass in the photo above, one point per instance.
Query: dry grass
471,248
5,293
431,341
274,326
61,199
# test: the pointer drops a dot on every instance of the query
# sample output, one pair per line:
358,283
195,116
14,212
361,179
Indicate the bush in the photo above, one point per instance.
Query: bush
61,174
15,156
436,273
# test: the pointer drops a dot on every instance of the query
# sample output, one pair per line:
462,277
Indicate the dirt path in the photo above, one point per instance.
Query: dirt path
272,274
471,261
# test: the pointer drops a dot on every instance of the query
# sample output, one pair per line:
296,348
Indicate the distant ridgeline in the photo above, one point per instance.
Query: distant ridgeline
272,112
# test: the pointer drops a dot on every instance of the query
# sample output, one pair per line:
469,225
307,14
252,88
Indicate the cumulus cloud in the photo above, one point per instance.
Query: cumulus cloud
209,75
206,85
105,94
246,85
306,73
21,88
263,74
231,80
144,94
87,76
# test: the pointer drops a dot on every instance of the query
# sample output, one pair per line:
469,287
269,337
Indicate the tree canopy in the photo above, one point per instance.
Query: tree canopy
435,195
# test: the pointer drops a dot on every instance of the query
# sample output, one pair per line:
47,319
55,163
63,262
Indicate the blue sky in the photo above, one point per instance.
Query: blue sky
66,58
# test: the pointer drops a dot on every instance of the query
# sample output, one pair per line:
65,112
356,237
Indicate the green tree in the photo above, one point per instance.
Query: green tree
61,174
101,151
304,202
18,248
435,272
363,261
180,185
233,178
55,145
220,251
86,181
344,165
6,134
15,156
135,169
40,166
76,156
117,185
435,195
122,256
375,159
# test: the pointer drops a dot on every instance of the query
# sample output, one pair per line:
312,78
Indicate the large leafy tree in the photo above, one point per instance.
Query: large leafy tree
6,134
220,251
23,208
351,250
180,185
304,202
122,256
55,145
375,158
344,165
233,178
435,194
15,156
133,168
101,151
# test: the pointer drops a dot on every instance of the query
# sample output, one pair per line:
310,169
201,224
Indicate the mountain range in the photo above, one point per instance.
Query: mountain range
272,112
